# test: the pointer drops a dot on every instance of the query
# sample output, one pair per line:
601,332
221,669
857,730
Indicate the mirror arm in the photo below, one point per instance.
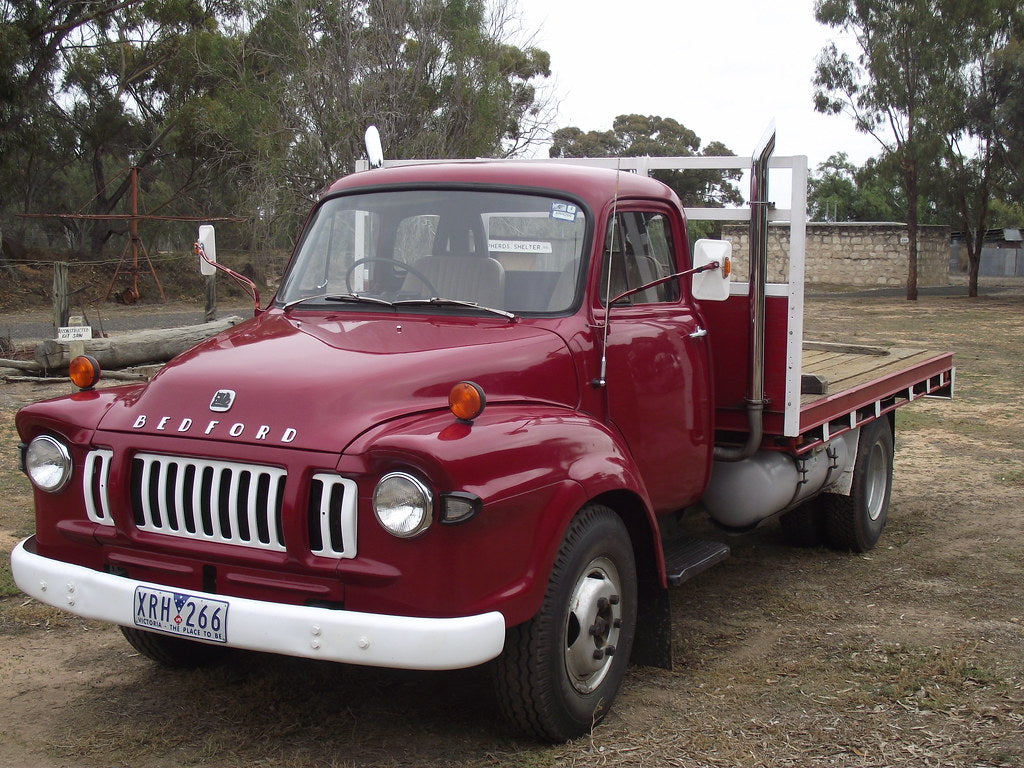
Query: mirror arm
600,381
692,271
247,285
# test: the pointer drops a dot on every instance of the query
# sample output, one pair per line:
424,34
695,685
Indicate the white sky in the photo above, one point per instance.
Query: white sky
723,68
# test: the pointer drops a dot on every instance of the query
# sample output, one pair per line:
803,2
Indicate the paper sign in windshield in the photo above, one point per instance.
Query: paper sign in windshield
518,246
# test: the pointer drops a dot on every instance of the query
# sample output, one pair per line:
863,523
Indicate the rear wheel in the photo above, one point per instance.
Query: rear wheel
805,525
172,651
855,522
560,671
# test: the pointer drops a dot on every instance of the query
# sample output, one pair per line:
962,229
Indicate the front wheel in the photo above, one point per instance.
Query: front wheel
175,652
560,671
855,522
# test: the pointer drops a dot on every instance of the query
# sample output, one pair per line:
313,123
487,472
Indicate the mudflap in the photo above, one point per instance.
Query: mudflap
684,559
652,644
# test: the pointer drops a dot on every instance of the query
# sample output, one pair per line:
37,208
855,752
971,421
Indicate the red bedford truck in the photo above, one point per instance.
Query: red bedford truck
470,427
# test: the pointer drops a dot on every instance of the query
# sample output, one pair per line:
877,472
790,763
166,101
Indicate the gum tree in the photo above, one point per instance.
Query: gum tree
906,58
638,135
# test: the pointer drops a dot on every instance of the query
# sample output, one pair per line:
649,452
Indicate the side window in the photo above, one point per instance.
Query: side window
639,249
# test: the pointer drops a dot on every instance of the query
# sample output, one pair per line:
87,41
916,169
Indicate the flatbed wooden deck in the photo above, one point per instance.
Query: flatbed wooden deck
844,386
837,367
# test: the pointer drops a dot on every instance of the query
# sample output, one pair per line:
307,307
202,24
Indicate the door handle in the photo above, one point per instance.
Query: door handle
699,332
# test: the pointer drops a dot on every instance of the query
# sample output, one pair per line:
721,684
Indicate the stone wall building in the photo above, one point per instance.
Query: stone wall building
850,253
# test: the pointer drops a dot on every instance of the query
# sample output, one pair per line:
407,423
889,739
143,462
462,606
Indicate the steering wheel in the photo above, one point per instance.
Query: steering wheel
395,262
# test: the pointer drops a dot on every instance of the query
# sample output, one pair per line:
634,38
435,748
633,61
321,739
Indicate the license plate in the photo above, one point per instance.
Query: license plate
182,614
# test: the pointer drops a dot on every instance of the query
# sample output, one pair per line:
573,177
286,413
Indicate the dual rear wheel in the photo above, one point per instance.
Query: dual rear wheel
853,522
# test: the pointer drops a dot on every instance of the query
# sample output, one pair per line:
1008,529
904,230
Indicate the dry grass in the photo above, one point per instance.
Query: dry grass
910,656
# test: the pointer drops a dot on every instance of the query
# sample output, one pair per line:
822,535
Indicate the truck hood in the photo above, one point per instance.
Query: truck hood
318,381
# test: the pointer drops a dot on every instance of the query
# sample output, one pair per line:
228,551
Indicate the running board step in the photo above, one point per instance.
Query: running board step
685,558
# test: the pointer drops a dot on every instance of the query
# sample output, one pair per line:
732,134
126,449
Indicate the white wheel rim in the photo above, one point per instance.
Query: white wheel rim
592,624
877,481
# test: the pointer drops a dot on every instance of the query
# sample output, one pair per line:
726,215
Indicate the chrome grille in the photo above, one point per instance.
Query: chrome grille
221,501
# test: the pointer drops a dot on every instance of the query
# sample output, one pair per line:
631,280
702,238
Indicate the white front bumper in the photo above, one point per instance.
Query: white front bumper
370,639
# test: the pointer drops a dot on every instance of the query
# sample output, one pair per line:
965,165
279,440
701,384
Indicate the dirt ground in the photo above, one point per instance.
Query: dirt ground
911,655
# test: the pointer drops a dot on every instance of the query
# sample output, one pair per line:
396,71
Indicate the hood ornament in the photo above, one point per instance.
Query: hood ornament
222,400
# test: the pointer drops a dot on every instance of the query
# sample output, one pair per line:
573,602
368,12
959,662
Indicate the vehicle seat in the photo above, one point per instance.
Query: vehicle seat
468,278
565,287
630,271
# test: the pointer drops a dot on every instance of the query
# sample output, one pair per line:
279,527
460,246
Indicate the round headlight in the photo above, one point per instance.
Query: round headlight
48,464
402,504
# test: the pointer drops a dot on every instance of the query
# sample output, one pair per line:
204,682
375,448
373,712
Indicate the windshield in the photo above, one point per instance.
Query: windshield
515,252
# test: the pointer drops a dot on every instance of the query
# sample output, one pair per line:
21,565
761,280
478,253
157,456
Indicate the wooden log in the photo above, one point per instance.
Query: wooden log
21,365
27,380
125,350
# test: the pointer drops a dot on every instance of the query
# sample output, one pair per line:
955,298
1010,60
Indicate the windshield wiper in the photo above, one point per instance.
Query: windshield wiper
355,297
440,302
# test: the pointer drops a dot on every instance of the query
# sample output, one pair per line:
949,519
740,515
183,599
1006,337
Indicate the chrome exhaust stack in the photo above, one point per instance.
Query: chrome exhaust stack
758,278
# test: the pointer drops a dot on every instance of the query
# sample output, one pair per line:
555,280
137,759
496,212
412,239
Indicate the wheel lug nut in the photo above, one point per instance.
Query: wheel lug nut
610,650
617,623
602,603
614,599
598,654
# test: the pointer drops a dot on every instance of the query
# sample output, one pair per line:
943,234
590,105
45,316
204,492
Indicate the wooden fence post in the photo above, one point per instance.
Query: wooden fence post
61,296
211,297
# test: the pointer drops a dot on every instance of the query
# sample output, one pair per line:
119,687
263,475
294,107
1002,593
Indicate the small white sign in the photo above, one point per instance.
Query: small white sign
518,246
74,333
76,320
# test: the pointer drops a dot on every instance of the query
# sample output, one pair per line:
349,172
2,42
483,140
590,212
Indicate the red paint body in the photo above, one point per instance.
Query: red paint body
361,391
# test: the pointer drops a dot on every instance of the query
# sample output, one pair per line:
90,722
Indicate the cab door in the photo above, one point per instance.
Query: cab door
658,368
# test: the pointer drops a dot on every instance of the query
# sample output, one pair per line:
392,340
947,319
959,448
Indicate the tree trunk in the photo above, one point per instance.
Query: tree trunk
11,272
912,195
973,267
153,346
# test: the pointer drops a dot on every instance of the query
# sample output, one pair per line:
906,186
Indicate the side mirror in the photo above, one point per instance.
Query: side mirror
374,151
208,240
712,285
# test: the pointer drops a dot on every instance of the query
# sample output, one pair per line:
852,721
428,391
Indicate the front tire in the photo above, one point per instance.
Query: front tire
855,522
174,652
560,671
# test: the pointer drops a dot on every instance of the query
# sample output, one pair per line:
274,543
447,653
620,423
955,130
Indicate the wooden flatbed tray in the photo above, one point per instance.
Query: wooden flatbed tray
837,367
844,386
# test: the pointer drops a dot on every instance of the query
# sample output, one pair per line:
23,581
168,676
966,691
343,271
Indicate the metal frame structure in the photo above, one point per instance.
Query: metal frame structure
134,244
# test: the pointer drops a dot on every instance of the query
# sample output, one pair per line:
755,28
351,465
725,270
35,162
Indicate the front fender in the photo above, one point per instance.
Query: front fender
75,416
533,467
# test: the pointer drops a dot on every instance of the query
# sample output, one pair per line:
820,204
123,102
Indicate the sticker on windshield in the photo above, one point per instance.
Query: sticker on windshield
564,211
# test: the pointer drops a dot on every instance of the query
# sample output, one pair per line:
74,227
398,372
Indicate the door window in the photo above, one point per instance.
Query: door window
638,248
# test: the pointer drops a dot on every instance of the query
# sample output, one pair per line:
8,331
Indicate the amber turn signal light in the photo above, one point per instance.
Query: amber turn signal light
466,400
726,266
84,371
